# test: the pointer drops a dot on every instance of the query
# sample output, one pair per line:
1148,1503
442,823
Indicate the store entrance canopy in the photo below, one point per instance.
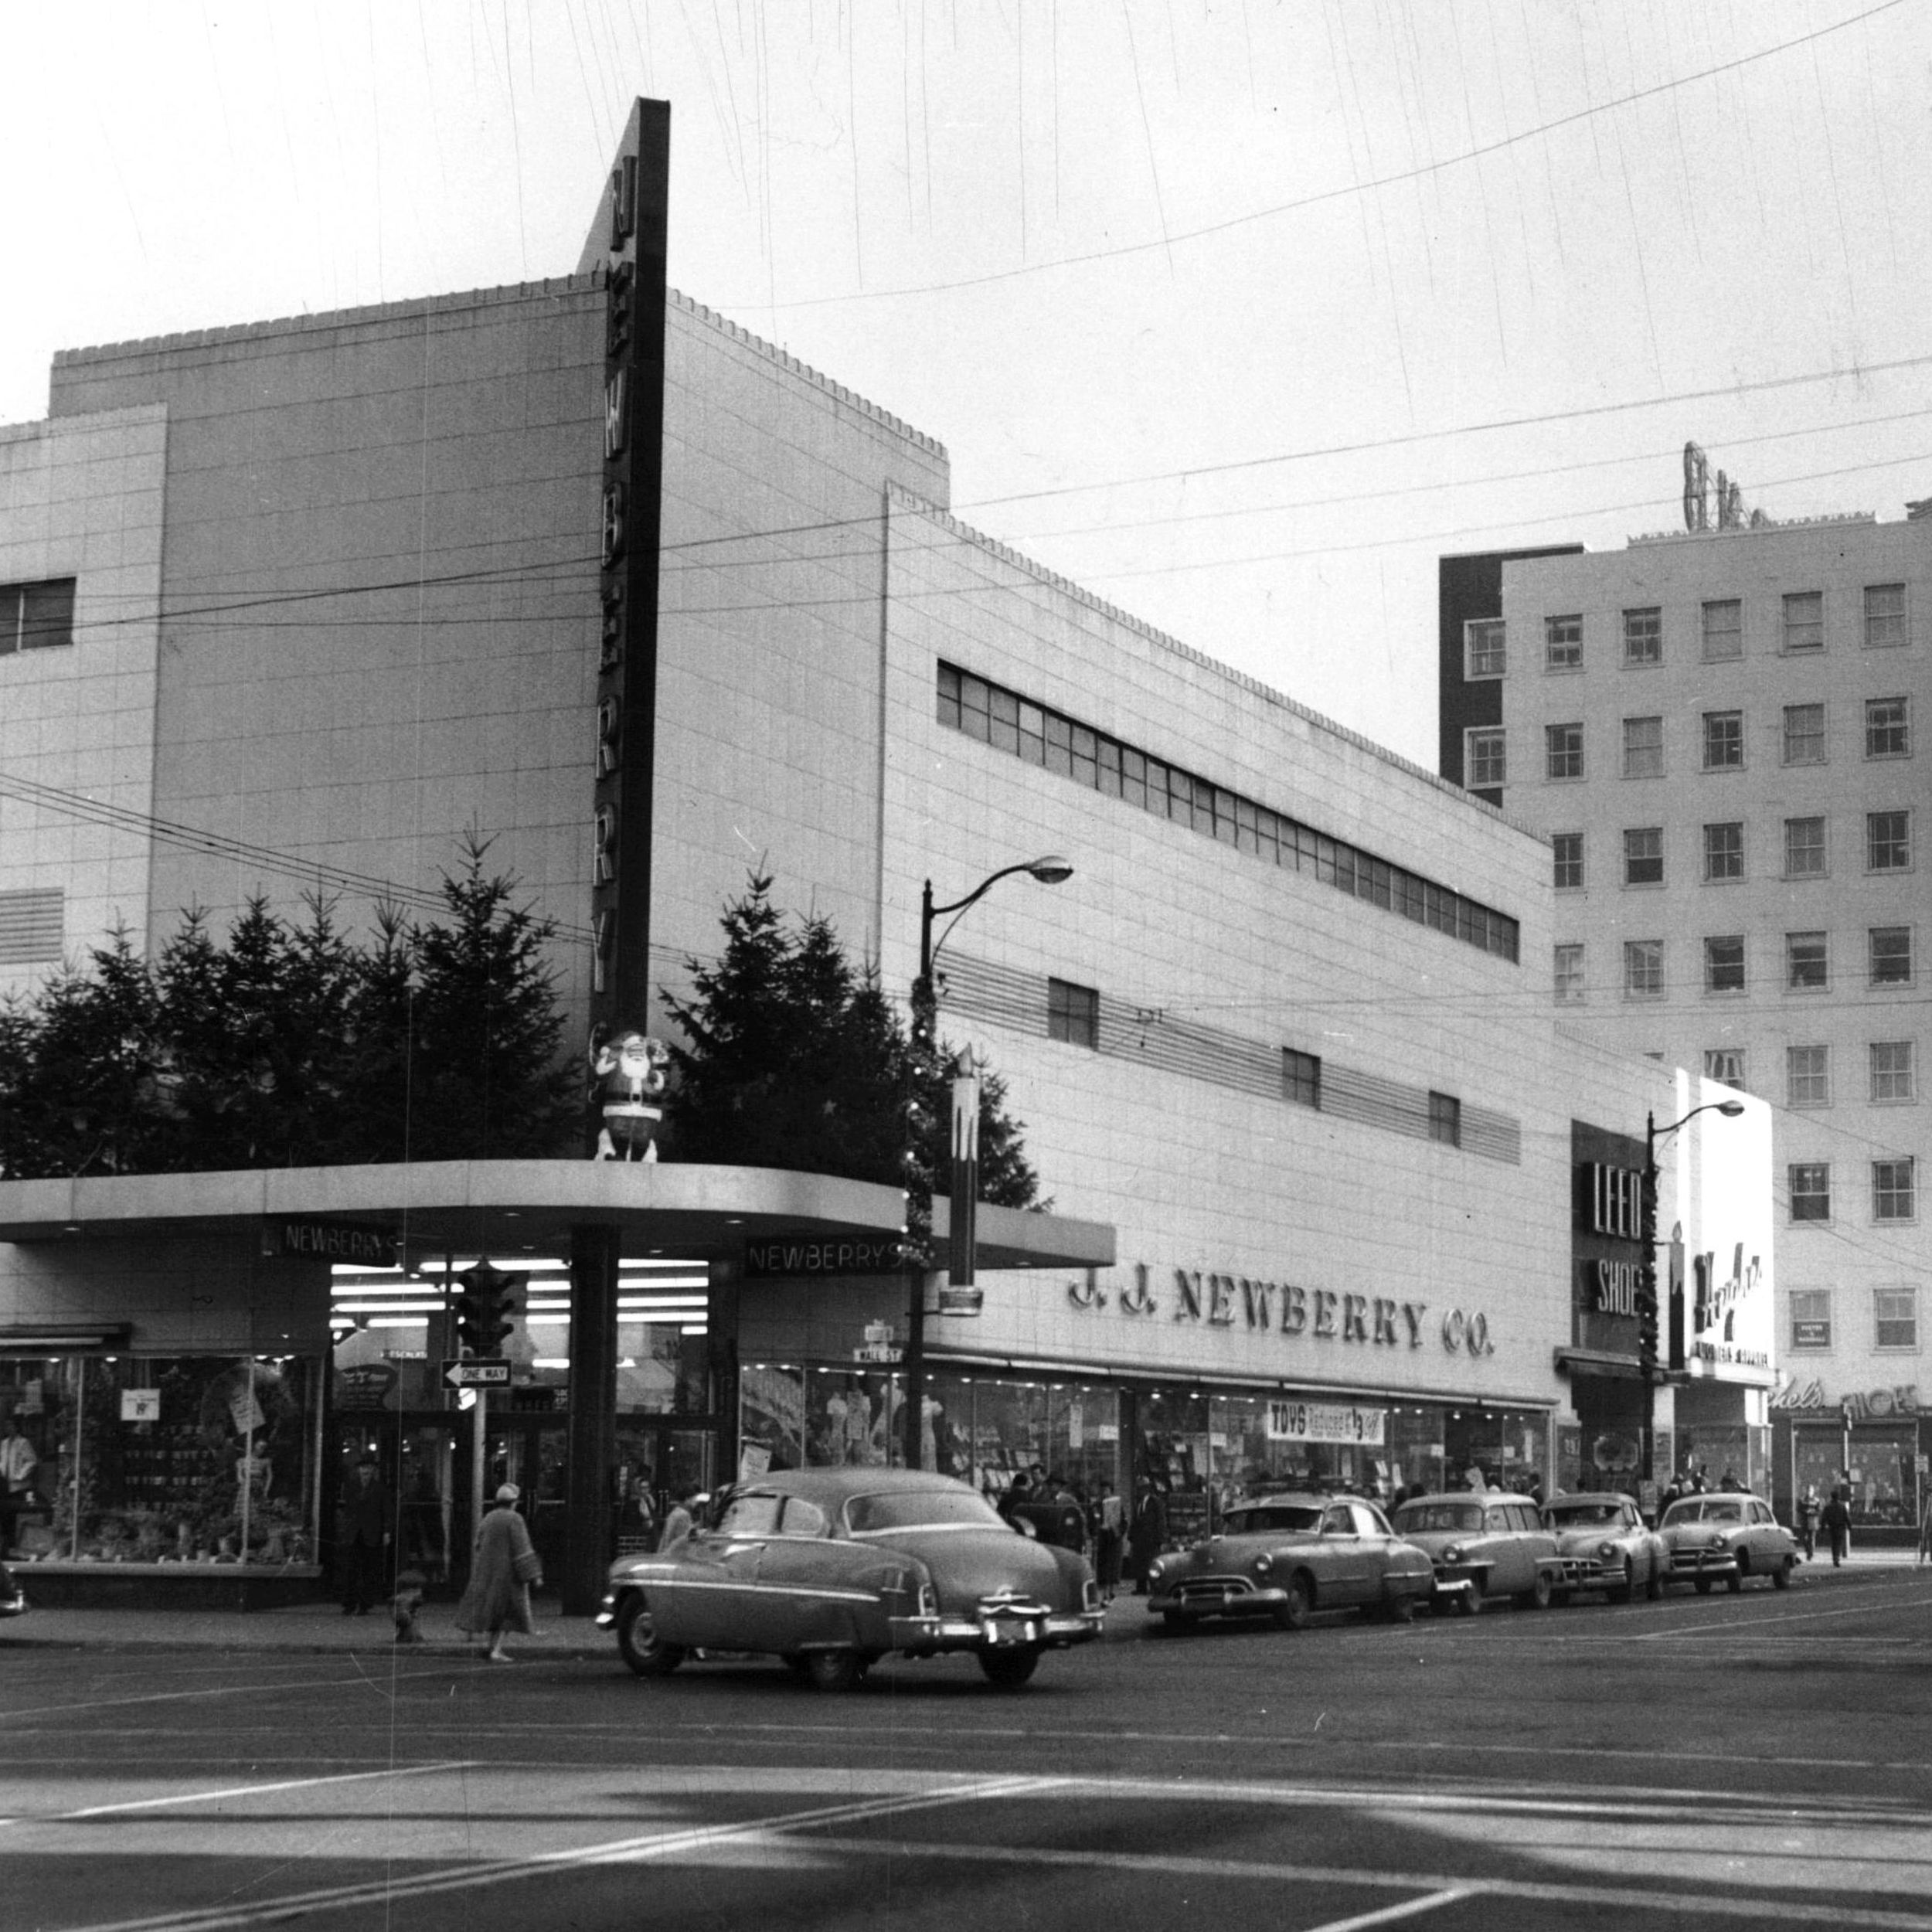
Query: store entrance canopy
502,1207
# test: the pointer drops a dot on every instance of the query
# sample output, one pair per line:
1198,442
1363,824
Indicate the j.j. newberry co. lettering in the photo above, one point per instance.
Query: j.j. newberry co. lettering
1239,1302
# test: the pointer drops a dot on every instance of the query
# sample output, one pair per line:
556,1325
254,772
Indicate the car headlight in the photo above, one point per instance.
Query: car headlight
1262,1564
1090,1596
1607,1553
1453,1554
1156,1570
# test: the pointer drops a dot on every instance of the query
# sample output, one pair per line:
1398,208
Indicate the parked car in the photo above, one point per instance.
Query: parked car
1483,1545
1287,1556
13,1599
1729,1537
1606,1545
832,1569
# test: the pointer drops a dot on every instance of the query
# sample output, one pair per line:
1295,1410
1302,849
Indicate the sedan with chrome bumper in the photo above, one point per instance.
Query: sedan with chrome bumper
1287,1556
1485,1546
1724,1538
1606,1545
833,1569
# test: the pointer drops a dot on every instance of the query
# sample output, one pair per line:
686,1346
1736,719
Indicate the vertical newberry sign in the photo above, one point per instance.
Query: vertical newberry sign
634,272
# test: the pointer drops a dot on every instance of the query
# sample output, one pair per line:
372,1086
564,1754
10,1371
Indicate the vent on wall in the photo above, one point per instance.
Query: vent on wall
31,926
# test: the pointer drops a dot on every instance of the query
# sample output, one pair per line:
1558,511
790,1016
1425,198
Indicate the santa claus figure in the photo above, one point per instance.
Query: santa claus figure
627,1081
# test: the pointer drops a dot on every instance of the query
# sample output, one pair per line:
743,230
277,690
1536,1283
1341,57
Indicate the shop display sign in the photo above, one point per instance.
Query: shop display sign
794,1255
1326,1422
350,1241
1858,1405
141,1405
369,1385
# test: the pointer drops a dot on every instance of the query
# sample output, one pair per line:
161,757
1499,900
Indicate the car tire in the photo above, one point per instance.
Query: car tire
1008,1669
1701,1585
1400,1609
1293,1611
1781,1576
638,1643
835,1670
1468,1602
1538,1595
1622,1593
1734,1582
1654,1585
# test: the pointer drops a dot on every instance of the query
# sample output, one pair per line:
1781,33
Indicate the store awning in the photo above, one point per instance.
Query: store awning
502,1207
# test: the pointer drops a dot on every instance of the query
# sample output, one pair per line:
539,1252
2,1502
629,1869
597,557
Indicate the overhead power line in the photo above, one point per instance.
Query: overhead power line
1170,240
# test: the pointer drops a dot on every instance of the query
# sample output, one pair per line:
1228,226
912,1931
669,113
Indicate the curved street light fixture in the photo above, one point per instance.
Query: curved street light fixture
1655,1371
1050,869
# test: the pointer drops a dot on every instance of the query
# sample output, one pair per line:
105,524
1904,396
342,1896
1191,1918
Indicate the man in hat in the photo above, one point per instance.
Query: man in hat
365,1528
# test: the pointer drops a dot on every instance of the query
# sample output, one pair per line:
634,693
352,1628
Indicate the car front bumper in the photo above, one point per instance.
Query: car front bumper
1213,1597
994,1630
1719,1563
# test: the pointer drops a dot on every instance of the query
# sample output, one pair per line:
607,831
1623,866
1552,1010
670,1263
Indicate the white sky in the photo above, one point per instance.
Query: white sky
1092,245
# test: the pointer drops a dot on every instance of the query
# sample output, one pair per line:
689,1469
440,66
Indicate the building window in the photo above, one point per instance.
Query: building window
36,617
1567,848
1563,643
1072,1013
1808,1076
1301,1078
1892,1195
1643,636
1726,1064
1811,1184
1723,851
1895,1318
1891,955
1806,962
1805,621
1888,841
1570,975
1484,655
1805,734
1724,964
33,925
1888,728
1563,750
1644,855
1643,968
1803,848
1483,756
1892,1072
1723,630
1884,615
1643,748
1445,1119
1723,740
1810,1318
1002,718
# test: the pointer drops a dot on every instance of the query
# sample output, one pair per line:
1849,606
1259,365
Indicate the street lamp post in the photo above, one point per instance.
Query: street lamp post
1648,1321
1049,869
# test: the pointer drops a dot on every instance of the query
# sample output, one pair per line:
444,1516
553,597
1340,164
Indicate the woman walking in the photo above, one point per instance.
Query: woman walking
502,1570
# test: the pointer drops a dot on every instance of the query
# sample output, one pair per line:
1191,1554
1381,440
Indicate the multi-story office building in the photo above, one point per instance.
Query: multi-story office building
1723,735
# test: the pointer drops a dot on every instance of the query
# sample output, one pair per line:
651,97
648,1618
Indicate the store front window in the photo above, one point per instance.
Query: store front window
1880,1461
179,1459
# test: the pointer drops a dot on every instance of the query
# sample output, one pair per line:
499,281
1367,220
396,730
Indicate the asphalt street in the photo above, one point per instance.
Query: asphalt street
1763,1759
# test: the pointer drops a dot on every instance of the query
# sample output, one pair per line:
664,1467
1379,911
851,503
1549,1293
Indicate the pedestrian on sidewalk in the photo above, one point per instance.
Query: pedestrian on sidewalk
364,1529
1807,1510
503,1569
1837,1520
1925,1528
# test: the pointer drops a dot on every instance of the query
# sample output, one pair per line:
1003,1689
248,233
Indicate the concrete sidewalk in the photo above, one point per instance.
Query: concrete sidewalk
308,1628
305,1628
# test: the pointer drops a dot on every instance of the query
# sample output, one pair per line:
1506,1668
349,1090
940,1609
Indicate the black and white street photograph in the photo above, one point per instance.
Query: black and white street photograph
959,965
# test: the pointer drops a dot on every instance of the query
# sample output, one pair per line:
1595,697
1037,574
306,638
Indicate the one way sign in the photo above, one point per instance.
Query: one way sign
473,1372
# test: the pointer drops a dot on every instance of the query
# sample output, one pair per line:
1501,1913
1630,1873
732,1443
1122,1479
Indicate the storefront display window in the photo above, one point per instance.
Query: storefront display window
1879,1462
183,1459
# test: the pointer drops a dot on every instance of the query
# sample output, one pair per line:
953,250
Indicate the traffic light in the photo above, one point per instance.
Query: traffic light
484,1312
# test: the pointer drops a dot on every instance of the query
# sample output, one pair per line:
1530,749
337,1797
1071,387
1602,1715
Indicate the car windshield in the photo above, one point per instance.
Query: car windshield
920,1509
1412,1516
1570,1515
1705,1511
1257,1517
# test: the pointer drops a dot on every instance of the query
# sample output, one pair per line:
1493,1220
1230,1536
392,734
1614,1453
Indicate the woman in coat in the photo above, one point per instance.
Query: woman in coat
502,1572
